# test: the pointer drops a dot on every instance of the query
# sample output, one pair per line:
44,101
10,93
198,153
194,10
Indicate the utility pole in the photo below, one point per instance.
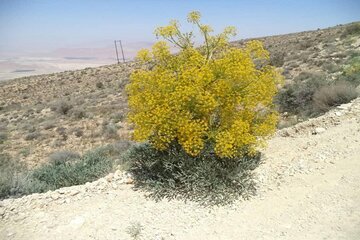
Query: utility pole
117,55
122,51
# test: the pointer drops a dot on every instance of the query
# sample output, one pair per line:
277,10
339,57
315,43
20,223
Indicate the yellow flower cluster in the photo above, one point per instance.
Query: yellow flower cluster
194,17
197,97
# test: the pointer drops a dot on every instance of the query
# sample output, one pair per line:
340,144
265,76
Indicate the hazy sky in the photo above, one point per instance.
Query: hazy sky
47,25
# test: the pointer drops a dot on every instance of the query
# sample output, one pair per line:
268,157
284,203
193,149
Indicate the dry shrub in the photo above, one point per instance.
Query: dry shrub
297,97
333,95
62,107
277,59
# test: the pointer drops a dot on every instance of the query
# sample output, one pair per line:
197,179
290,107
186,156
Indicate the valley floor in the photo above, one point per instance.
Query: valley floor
309,188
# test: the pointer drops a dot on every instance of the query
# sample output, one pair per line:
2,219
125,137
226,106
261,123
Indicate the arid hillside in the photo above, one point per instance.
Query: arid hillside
323,51
80,110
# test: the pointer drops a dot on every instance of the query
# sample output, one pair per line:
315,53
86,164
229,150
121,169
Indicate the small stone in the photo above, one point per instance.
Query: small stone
77,222
338,114
319,130
67,200
74,192
61,191
55,196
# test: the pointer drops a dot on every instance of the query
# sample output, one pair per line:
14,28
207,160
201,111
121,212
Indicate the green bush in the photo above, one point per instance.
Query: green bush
206,178
67,168
57,174
329,96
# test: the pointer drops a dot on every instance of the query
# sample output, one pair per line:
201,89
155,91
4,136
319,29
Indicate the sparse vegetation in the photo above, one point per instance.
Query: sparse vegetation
3,137
62,107
331,67
117,117
78,132
109,130
78,113
64,168
31,136
50,124
134,230
25,152
10,175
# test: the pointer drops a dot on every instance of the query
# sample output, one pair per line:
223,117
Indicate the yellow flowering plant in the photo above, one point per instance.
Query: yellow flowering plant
213,95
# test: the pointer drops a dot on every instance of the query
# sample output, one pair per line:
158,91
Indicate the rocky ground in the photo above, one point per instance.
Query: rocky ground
309,188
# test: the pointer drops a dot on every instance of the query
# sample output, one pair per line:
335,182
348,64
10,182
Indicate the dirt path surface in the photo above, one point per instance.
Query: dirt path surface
309,188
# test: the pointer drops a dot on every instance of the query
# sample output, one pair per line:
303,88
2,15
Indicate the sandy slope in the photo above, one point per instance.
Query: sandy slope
309,189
